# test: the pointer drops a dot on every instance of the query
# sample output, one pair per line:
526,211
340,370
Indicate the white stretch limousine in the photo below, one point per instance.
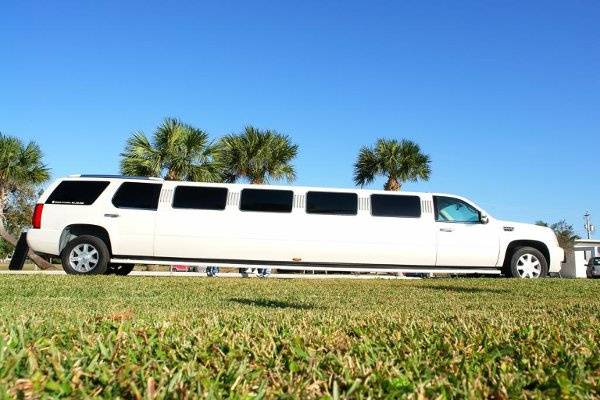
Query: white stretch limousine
103,224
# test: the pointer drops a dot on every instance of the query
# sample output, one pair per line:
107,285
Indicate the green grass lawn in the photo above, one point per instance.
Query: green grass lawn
144,337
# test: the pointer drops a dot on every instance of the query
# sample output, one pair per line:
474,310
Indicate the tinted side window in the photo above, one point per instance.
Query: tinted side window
389,205
449,209
77,192
331,203
201,198
142,196
267,200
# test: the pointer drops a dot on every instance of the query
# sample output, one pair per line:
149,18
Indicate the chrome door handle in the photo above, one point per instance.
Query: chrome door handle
446,230
111,215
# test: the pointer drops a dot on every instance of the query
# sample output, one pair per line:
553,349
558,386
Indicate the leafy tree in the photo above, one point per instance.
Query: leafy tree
399,161
564,233
6,249
17,211
21,170
258,155
177,151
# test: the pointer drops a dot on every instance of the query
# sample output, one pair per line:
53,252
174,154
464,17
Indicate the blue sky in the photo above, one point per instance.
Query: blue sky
503,95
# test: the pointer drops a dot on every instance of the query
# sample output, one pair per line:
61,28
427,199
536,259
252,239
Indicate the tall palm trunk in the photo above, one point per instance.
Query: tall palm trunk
171,175
392,184
6,235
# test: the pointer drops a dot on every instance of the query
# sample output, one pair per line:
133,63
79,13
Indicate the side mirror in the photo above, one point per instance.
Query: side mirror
484,219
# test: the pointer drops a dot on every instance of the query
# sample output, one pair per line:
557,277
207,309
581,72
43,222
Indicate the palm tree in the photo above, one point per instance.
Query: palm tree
399,161
21,168
177,151
258,155
565,234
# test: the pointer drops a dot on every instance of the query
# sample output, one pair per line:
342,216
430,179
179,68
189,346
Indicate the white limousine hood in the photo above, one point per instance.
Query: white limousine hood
529,231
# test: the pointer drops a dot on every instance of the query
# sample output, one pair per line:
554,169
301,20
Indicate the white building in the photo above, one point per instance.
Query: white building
577,260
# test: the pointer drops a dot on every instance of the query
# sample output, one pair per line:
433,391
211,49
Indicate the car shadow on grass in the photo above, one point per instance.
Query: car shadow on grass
463,289
267,303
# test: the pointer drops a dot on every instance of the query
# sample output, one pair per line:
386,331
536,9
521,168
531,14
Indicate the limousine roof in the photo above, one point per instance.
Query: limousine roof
107,176
248,185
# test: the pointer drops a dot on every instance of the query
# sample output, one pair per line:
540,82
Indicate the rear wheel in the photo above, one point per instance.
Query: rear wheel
85,255
119,269
527,262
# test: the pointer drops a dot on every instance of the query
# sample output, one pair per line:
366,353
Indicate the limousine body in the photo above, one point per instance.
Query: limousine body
101,224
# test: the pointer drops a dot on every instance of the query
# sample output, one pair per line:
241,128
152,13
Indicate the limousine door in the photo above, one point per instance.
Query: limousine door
192,223
400,231
131,218
462,239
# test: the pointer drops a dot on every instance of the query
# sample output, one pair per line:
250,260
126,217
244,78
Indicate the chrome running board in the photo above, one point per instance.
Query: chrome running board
310,267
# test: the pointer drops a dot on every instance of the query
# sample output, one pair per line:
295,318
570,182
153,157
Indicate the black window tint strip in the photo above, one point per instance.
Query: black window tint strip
200,198
77,192
389,205
142,196
331,203
267,200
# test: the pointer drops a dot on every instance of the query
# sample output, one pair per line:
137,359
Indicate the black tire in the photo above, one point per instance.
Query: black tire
522,256
119,269
99,260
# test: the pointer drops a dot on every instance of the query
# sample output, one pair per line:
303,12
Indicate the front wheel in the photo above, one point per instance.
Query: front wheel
527,262
85,255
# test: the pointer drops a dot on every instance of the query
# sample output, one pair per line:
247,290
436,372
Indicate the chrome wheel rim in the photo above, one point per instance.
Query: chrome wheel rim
83,258
529,266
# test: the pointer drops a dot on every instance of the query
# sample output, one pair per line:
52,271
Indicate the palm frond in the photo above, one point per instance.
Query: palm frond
397,160
565,234
257,155
140,157
367,166
21,165
177,151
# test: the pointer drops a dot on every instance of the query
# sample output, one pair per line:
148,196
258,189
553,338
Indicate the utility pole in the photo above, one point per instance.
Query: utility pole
589,228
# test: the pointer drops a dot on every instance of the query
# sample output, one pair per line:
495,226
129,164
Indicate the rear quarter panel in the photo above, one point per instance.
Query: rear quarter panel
56,217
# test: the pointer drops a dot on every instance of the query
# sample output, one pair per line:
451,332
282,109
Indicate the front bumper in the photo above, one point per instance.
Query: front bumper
557,257
593,272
